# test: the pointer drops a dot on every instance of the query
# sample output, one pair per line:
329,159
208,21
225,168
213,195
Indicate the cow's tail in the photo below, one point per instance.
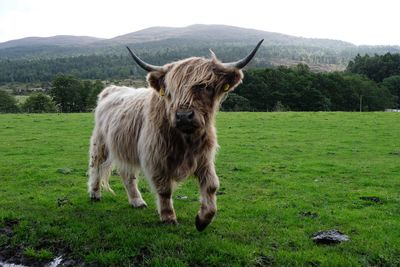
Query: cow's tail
105,173
105,183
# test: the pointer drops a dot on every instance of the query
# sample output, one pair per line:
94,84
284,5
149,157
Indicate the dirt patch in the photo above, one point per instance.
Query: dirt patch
313,263
143,255
264,260
63,201
65,170
308,214
373,199
17,254
8,228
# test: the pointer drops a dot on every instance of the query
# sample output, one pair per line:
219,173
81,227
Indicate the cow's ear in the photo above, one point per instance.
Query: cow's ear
235,78
156,79
231,80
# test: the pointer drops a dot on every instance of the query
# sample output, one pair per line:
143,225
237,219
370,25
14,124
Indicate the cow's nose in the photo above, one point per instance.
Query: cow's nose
184,116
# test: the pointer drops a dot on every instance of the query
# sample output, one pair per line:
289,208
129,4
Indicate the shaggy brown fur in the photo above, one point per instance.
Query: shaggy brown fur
136,129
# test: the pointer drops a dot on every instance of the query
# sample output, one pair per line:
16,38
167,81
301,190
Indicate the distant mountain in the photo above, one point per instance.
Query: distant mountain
222,33
205,33
40,58
58,40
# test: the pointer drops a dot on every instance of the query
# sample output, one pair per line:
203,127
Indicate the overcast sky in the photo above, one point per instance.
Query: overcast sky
357,21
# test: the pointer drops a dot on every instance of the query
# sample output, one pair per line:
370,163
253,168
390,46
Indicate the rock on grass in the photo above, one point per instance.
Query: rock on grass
329,237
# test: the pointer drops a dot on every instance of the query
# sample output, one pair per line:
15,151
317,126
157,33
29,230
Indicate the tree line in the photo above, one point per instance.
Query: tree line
67,94
299,89
368,84
83,67
116,63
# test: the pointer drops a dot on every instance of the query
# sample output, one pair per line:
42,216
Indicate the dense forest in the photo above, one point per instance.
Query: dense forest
299,89
82,67
117,66
120,66
376,68
370,83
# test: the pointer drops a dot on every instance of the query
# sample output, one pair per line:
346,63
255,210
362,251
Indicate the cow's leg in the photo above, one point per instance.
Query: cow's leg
131,187
164,188
209,184
99,168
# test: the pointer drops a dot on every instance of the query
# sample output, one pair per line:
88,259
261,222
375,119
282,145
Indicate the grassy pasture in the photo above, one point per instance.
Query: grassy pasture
284,176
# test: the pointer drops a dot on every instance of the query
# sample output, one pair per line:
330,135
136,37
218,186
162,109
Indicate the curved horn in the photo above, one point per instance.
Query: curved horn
244,61
143,64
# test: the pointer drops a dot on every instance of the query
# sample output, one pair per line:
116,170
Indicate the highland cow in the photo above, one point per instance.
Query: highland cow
166,131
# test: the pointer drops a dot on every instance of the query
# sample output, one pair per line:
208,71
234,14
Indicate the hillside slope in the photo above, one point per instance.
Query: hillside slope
160,45
53,40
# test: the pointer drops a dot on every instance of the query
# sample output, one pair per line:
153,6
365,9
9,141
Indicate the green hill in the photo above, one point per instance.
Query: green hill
160,45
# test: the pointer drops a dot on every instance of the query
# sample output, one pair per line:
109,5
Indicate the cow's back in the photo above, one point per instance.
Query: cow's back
119,118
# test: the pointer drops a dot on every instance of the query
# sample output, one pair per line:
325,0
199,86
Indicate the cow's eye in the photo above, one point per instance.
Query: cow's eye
209,89
198,88
203,89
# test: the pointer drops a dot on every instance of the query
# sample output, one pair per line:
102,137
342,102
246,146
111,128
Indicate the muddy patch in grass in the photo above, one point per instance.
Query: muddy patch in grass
395,153
264,260
372,199
144,254
8,227
308,214
20,256
65,170
63,202
45,253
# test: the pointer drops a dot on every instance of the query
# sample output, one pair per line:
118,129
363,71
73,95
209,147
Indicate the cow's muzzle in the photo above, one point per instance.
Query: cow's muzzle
185,121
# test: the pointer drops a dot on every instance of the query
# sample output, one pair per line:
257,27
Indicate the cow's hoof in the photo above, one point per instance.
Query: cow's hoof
141,206
95,196
138,203
201,225
170,221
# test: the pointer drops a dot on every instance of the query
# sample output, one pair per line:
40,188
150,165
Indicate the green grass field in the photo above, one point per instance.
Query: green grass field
284,176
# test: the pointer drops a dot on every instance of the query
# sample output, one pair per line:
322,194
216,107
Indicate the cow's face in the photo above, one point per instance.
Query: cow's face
192,90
